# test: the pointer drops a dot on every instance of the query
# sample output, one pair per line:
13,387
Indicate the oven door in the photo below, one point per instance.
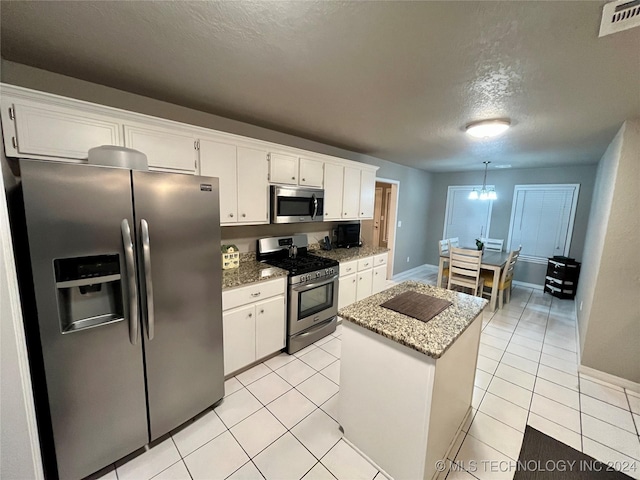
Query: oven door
312,303
295,205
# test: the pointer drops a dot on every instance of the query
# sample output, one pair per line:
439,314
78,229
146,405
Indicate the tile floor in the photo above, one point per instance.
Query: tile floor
278,419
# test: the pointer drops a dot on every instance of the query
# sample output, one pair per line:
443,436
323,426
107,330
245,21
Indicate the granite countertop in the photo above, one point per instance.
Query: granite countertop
432,338
250,271
347,254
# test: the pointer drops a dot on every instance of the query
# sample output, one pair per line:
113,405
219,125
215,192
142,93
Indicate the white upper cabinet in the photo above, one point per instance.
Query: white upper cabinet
367,193
351,193
311,173
165,147
253,186
333,180
54,131
283,169
219,160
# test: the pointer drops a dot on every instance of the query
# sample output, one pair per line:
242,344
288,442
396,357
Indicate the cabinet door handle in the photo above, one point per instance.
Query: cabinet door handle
304,179
244,214
293,178
255,294
231,215
262,310
250,315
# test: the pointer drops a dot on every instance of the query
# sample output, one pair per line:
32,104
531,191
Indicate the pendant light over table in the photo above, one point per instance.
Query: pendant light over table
484,194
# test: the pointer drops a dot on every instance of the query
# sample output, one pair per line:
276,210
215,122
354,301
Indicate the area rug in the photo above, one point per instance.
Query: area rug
545,458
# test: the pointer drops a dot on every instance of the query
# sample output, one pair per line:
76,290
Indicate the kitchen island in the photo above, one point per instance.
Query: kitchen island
406,385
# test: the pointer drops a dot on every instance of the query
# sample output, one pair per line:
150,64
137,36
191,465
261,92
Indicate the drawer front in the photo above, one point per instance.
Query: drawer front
252,293
348,268
562,270
365,263
380,259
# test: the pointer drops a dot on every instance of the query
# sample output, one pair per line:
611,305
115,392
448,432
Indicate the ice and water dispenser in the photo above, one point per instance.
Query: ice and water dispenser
89,291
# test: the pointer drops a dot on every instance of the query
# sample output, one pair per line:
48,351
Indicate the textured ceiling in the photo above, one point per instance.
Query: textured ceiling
396,80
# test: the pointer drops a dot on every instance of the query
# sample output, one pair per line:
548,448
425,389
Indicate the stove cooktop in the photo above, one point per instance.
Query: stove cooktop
305,263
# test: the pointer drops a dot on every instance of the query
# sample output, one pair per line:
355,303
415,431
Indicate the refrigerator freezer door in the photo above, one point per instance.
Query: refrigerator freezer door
94,374
179,245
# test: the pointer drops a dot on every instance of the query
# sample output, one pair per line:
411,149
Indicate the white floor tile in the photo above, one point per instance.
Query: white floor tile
332,372
556,412
606,455
318,432
319,472
217,459
505,411
324,340
556,392
487,364
291,407
523,352
527,342
286,458
570,367
610,435
533,333
636,419
318,358
268,388
499,343
318,389
149,463
606,394
601,382
338,331
460,475
568,343
634,402
511,392
278,361
295,372
559,353
253,374
556,376
490,352
330,407
231,386
482,379
237,407
513,375
109,474
345,463
497,332
478,395
334,347
305,350
475,452
520,363
247,472
607,413
193,436
258,431
177,471
496,434
560,433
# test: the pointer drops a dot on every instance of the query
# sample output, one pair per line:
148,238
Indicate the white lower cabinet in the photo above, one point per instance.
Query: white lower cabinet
347,290
379,279
256,329
364,284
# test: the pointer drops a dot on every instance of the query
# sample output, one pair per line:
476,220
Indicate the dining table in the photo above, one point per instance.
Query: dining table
492,261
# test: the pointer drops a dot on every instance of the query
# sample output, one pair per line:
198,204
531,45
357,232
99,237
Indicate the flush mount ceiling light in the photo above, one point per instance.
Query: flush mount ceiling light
484,193
487,128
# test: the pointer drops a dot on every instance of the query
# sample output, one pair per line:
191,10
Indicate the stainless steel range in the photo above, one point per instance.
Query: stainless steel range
313,288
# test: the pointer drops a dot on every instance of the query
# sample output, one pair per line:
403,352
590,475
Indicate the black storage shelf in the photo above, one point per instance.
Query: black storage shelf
561,280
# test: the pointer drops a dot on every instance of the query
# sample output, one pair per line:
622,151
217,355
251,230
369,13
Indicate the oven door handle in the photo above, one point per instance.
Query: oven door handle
309,286
315,206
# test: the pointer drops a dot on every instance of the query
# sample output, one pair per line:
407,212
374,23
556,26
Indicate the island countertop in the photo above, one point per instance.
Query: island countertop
432,338
347,254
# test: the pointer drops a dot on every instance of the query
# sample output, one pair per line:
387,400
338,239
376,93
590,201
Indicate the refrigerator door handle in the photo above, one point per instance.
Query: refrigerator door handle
131,281
146,256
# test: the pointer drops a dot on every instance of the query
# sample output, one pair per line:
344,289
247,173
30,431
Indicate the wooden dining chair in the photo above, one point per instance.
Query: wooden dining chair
464,269
493,244
454,242
506,278
443,248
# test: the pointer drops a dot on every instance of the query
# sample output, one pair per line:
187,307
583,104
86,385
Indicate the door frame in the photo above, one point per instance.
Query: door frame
393,220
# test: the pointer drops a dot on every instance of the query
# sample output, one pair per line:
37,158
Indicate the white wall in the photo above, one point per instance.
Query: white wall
19,447
608,304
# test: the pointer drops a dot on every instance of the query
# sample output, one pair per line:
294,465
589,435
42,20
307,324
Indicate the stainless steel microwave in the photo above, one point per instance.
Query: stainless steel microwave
296,205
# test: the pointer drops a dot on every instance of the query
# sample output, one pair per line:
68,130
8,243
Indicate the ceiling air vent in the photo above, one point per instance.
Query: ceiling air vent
618,16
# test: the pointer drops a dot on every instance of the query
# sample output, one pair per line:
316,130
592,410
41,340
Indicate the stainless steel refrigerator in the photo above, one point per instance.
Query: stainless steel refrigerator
120,281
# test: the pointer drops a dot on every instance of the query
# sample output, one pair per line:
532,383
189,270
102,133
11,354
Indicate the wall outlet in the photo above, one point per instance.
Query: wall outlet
399,223
407,259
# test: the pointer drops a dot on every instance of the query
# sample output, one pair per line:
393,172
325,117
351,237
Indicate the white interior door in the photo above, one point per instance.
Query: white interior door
464,218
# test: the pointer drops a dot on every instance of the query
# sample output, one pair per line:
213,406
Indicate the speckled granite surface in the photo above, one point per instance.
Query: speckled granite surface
248,272
432,338
347,254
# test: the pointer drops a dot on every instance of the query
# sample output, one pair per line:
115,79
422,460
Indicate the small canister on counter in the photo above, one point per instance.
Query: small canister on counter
230,257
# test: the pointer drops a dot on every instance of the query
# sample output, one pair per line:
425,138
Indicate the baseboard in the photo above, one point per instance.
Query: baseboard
609,378
535,286
411,271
